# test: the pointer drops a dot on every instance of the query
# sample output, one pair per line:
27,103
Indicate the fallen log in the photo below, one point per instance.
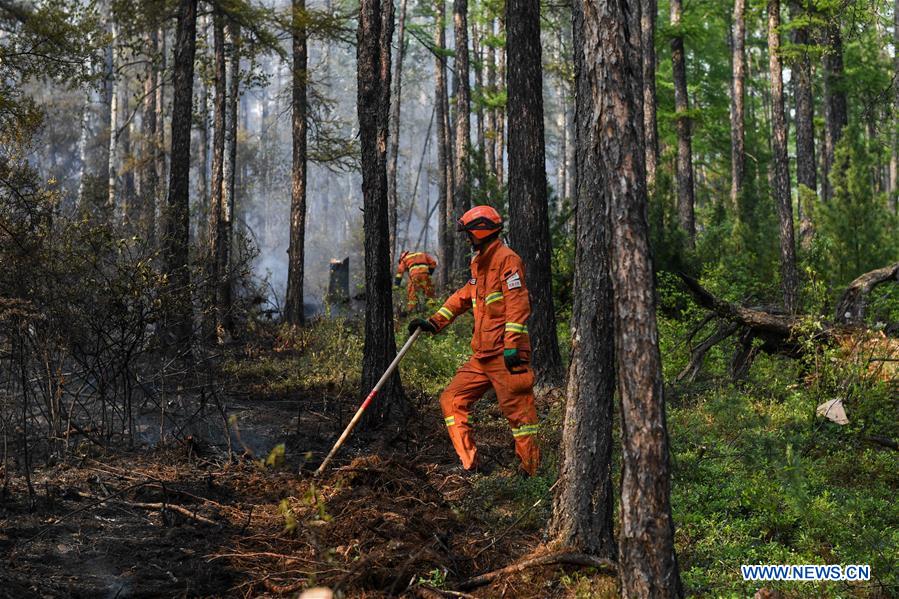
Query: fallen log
854,300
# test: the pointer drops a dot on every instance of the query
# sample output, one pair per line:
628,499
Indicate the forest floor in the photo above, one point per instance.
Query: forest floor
756,478
392,515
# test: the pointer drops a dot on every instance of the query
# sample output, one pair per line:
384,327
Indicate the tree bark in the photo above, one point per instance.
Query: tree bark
648,15
647,560
683,126
501,111
582,509
854,300
490,116
835,107
114,93
178,321
149,182
216,210
445,230
528,210
226,267
373,99
894,159
806,167
781,188
737,96
293,305
477,50
160,135
462,93
394,130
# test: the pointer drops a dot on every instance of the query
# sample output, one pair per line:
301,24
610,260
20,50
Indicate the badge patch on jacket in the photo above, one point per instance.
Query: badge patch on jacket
472,281
513,281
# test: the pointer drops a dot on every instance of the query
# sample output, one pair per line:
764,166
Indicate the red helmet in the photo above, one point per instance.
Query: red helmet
480,222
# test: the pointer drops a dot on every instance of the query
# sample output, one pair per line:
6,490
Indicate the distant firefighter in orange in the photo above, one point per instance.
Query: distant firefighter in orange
420,266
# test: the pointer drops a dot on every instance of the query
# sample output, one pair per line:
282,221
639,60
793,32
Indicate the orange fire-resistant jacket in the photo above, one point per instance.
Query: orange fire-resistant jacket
497,295
416,263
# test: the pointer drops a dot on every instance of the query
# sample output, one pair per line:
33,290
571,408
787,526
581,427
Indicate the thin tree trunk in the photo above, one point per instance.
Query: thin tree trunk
835,108
737,96
226,266
444,199
490,116
149,179
373,100
177,233
648,15
293,306
394,129
160,137
528,209
647,560
462,93
806,167
478,52
216,202
114,91
894,158
501,111
683,126
203,147
582,509
127,191
781,188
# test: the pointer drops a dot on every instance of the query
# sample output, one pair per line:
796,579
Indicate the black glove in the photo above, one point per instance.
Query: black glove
431,271
398,281
513,360
420,323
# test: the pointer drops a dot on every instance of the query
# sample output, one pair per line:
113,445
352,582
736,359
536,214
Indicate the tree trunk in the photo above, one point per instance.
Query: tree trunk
203,146
835,108
127,192
478,52
114,92
160,136
462,93
894,159
582,510
445,229
683,126
490,116
226,266
149,183
293,305
216,203
394,130
806,168
648,15
647,560
373,99
176,240
528,210
737,96
501,111
781,188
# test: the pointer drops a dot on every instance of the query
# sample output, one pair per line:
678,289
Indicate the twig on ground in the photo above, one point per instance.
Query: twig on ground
517,520
572,559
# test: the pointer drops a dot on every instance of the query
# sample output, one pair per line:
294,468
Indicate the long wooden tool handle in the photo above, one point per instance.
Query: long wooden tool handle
368,400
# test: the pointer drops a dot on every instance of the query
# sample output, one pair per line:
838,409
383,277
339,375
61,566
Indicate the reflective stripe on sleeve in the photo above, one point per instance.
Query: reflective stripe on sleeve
418,266
514,327
493,297
450,420
445,312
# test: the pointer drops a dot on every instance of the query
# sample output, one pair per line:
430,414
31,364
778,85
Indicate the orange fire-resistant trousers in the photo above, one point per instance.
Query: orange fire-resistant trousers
418,283
516,400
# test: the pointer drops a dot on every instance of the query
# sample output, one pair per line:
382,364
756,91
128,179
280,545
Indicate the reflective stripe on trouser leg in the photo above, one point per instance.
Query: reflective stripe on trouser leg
456,401
516,400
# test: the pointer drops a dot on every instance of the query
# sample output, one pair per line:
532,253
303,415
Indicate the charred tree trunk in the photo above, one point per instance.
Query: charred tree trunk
683,126
226,266
216,204
293,305
462,93
582,510
648,14
647,560
806,167
394,130
781,188
737,96
178,321
528,210
373,100
149,182
445,231
835,107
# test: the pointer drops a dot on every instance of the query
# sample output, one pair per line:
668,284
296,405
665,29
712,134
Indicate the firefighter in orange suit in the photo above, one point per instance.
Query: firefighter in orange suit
498,298
420,266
